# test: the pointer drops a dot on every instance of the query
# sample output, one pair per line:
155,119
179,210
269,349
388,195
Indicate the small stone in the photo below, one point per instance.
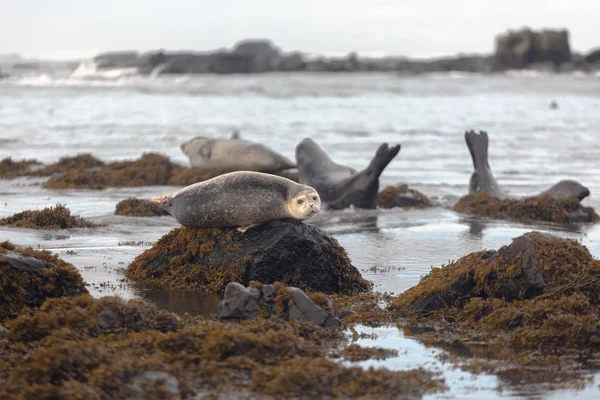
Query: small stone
303,308
239,302
108,319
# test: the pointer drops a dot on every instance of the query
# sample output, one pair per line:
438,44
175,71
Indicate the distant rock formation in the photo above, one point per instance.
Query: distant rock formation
523,48
547,50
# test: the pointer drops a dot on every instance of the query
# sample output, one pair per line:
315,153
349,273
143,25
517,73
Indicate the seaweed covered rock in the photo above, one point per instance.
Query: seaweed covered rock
542,208
51,218
540,292
133,207
241,302
10,169
402,196
28,277
86,172
85,316
288,251
61,351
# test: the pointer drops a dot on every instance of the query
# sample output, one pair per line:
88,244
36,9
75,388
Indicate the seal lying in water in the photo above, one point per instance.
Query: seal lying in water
338,185
234,154
240,199
482,179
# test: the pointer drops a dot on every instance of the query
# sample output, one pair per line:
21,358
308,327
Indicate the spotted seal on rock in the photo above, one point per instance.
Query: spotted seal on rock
242,199
482,179
234,153
338,185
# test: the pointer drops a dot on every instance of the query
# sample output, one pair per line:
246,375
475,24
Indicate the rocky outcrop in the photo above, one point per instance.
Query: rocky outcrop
538,294
288,251
290,303
28,277
402,196
546,50
523,48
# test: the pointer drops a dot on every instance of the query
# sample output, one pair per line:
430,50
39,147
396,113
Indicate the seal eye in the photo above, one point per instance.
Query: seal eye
314,198
300,201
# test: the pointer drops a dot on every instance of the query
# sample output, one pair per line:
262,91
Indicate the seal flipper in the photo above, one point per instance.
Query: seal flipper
245,228
361,189
164,201
478,147
482,179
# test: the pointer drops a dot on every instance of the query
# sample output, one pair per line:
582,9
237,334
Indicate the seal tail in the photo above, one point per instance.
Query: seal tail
478,147
382,158
163,201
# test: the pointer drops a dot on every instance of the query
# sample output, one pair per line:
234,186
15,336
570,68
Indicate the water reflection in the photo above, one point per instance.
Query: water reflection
193,302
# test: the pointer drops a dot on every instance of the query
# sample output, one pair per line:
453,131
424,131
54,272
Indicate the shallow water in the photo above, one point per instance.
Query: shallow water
531,147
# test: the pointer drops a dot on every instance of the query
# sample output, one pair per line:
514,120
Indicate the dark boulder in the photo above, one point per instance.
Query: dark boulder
593,56
261,53
292,252
520,49
28,277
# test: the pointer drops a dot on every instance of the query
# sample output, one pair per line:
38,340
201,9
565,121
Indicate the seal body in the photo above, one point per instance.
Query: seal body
338,185
482,179
240,199
234,154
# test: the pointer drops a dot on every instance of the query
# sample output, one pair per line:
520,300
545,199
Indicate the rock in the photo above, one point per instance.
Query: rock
117,59
303,308
29,277
518,271
541,208
593,56
292,62
520,49
289,302
3,330
402,196
239,302
50,218
292,252
150,383
264,56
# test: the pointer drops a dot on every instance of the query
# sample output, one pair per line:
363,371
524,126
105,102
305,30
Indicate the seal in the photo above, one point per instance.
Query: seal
338,185
241,199
235,154
482,180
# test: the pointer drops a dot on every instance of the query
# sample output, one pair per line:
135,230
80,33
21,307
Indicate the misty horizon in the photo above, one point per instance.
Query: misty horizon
65,29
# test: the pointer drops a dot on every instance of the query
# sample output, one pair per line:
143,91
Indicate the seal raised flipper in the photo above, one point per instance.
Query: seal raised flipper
361,189
482,179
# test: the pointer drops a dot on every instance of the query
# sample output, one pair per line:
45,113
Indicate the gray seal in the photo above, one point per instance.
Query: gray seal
338,185
234,154
482,179
242,199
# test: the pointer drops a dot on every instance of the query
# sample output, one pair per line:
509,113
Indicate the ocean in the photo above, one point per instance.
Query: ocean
117,116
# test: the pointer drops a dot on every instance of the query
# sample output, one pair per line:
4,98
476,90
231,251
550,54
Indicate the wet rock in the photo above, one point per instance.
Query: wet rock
303,308
542,208
521,49
541,293
289,302
520,270
402,196
28,277
51,218
133,207
239,302
292,252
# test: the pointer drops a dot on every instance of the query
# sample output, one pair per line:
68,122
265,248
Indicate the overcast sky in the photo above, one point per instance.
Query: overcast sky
82,28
